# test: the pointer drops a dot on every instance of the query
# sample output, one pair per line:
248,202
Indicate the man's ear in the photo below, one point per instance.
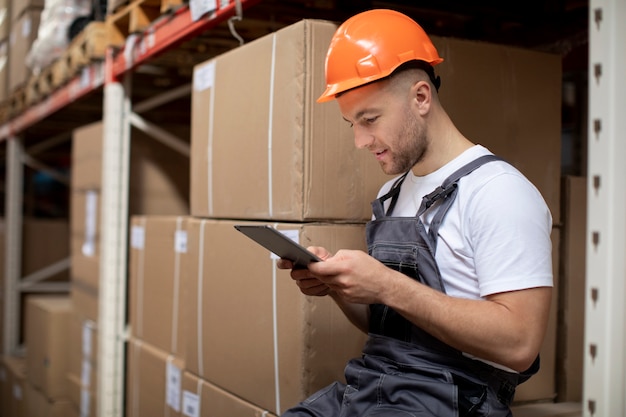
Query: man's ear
422,93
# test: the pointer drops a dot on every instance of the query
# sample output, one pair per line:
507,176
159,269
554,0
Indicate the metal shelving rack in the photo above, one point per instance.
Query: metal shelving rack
118,116
605,330
604,384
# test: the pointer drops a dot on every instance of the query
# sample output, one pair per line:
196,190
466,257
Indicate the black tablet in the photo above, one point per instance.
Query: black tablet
279,244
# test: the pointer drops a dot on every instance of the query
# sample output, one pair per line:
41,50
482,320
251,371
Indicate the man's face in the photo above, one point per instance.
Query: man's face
384,122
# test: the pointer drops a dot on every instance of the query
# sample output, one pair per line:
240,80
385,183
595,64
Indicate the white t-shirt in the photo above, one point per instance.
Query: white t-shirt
496,235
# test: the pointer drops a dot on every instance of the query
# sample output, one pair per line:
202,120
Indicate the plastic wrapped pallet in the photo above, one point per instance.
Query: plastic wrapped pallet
53,37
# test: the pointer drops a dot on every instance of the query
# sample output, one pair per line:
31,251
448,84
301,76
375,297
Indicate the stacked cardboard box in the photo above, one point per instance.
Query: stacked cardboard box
572,295
12,386
159,184
42,245
46,361
234,319
156,350
246,317
5,20
25,19
262,150
523,88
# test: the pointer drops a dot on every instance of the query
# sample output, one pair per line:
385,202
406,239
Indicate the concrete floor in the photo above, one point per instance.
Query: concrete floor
548,410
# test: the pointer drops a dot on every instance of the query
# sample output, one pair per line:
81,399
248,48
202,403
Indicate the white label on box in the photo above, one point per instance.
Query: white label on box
17,392
174,381
91,218
85,377
85,78
293,234
84,402
27,27
191,404
137,237
204,76
180,241
199,7
87,338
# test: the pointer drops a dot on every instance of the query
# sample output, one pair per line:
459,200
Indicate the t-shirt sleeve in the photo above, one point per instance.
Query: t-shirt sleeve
510,232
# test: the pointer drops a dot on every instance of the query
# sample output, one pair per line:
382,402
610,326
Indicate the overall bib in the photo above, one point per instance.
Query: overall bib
404,371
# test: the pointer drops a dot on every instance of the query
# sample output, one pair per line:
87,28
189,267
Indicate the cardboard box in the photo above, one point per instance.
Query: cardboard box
518,115
23,33
45,242
262,148
572,291
18,7
83,399
250,330
5,18
13,373
87,157
542,386
47,320
156,276
154,384
83,350
4,69
85,300
2,280
85,237
203,399
37,405
293,159
159,176
159,185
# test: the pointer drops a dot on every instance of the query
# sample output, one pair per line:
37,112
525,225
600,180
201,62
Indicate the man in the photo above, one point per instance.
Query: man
455,290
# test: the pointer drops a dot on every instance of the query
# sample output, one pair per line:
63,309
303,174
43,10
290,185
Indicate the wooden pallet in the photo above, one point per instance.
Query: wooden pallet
135,17
38,86
17,101
88,46
166,5
4,112
59,72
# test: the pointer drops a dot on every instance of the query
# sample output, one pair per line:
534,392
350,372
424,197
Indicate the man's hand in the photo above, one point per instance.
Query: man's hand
331,283
308,284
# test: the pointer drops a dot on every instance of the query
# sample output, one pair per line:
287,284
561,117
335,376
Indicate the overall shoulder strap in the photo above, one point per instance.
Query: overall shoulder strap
446,192
378,204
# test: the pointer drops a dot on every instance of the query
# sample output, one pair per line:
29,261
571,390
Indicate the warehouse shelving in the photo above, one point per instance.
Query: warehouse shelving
109,81
605,328
111,77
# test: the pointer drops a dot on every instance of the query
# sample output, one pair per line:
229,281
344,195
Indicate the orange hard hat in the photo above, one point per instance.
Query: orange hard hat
370,46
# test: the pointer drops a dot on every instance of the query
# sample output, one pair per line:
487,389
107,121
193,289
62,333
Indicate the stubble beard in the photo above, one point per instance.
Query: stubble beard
412,146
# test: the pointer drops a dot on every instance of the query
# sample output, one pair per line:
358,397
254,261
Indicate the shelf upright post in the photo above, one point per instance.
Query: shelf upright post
13,245
604,387
114,250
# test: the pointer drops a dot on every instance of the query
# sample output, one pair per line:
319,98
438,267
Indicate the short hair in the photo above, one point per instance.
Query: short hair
413,64
421,65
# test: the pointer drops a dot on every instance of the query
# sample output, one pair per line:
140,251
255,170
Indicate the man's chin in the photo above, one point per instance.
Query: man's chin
389,169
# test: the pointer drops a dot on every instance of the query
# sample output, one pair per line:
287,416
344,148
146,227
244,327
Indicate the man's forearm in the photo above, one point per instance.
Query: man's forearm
358,314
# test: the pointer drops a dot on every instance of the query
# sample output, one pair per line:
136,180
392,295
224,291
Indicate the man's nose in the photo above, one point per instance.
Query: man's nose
362,138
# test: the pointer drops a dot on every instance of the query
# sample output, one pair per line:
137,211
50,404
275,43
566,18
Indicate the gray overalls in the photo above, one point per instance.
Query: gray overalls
405,371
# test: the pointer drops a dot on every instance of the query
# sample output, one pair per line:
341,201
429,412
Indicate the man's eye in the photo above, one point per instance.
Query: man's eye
370,120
